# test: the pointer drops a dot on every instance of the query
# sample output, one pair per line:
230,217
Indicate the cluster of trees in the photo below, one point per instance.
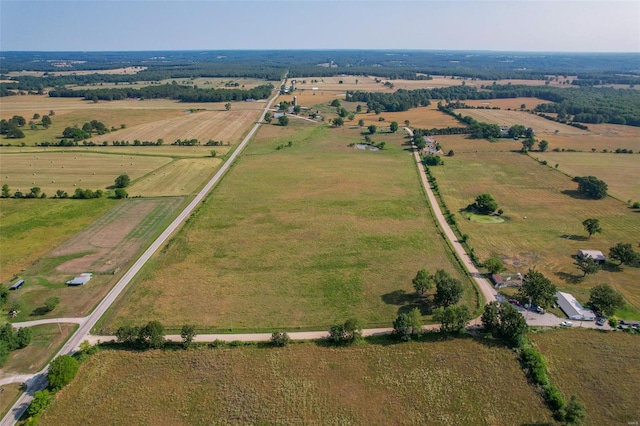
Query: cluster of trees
149,336
77,134
11,340
34,192
168,91
591,187
11,127
484,204
62,371
537,289
504,321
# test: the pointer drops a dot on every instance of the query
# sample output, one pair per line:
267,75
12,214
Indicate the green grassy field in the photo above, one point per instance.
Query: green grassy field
304,236
31,228
543,226
601,368
444,382
620,171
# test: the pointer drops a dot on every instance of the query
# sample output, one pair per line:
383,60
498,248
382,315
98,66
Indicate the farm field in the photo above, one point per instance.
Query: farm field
226,126
620,171
423,117
124,70
31,228
9,396
544,220
464,143
46,340
599,137
601,368
180,177
104,247
299,237
452,382
513,103
69,169
540,125
202,82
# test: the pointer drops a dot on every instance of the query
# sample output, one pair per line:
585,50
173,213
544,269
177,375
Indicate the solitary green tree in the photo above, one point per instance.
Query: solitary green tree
448,289
543,145
494,265
268,117
453,319
121,193
422,282
187,333
227,106
587,265
537,288
485,204
591,187
61,371
46,121
152,335
604,300
592,226
6,192
280,338
623,253
574,412
283,120
372,128
393,126
361,122
122,181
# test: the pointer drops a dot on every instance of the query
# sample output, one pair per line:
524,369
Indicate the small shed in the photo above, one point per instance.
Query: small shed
81,279
17,285
573,308
497,279
596,255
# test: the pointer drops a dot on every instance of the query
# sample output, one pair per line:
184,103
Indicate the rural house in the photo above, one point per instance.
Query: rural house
573,308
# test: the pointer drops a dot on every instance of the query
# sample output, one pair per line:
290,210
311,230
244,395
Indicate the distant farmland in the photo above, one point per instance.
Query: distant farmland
510,118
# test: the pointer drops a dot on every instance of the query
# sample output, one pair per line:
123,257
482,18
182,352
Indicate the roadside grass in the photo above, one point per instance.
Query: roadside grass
46,341
31,228
600,367
104,248
458,381
299,237
69,169
543,227
10,394
621,172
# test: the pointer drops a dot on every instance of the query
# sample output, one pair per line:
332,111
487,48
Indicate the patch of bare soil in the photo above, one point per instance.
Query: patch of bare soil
113,238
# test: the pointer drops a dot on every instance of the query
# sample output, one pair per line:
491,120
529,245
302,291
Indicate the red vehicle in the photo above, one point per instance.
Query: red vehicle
515,302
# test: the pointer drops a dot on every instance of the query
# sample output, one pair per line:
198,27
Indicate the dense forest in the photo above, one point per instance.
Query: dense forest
170,91
583,105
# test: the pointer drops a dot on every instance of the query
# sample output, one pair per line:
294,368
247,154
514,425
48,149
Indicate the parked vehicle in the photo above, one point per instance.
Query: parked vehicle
601,321
566,324
515,302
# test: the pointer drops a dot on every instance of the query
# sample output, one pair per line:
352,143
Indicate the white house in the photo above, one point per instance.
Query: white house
596,255
573,308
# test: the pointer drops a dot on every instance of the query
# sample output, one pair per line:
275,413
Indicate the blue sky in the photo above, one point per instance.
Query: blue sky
514,25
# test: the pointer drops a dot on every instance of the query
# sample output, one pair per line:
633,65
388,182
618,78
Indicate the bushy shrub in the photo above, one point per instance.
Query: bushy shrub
535,366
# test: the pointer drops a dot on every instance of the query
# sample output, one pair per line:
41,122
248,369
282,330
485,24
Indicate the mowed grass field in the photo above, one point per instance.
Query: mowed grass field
512,103
31,228
601,368
446,382
300,237
70,169
620,171
183,176
542,210
540,125
423,117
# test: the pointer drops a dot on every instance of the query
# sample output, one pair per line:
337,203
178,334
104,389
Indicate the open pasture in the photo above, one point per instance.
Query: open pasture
173,151
464,143
70,169
201,82
31,228
601,368
509,103
509,118
183,176
300,237
226,126
620,171
104,248
544,219
123,70
452,382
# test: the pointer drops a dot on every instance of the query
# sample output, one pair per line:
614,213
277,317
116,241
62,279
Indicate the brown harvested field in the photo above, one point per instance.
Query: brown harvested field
513,103
308,98
509,118
423,117
601,368
464,143
173,151
460,382
46,340
202,82
299,237
599,137
620,171
68,170
226,126
111,240
183,176
542,209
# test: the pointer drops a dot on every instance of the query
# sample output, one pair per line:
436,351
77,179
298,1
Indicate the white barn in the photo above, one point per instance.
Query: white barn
573,308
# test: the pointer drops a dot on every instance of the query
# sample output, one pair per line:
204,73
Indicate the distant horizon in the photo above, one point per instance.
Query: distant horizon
534,26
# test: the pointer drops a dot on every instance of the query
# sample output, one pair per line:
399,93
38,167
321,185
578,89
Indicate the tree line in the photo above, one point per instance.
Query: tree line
170,91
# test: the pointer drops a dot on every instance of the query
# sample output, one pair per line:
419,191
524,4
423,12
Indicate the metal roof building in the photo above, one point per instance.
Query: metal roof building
573,308
81,279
